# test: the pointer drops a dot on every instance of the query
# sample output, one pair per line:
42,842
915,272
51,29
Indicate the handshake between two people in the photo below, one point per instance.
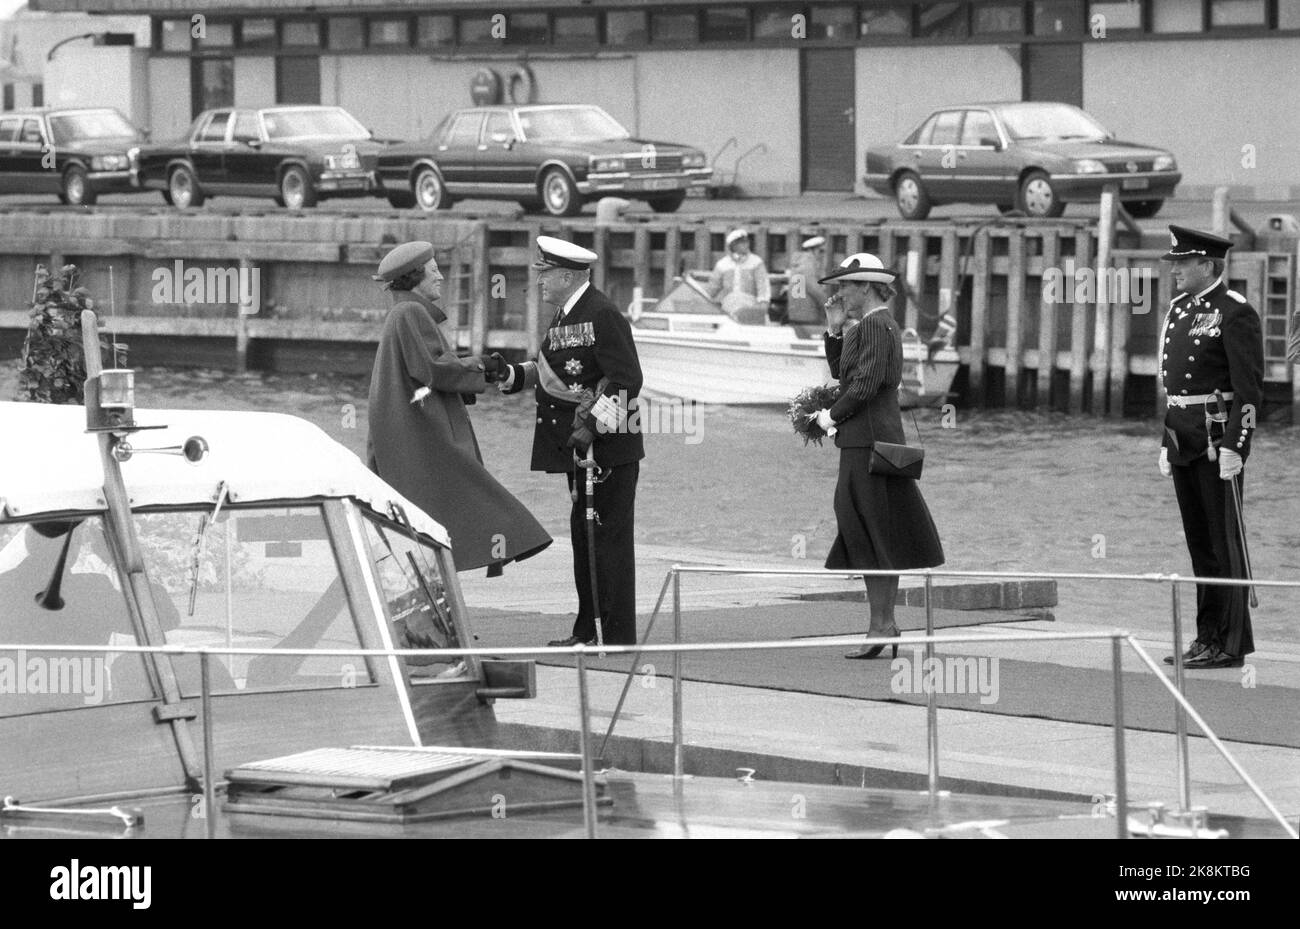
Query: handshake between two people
495,369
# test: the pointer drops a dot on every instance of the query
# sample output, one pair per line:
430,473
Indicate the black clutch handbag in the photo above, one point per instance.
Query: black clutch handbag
891,460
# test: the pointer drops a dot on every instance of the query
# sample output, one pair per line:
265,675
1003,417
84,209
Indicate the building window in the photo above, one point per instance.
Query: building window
389,32
1288,14
941,21
213,84
726,24
1238,13
257,33
527,29
1114,16
833,22
626,27
998,19
435,31
576,29
886,20
301,33
1058,17
475,30
1175,16
345,33
217,35
174,35
670,28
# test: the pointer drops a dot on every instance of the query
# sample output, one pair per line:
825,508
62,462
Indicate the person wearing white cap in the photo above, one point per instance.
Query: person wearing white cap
883,521
420,439
805,296
739,281
587,380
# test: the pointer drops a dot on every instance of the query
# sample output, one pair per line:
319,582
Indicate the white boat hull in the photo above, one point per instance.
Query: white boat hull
713,360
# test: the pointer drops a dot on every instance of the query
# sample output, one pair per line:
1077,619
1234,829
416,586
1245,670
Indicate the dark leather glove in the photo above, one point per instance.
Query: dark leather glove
581,439
495,368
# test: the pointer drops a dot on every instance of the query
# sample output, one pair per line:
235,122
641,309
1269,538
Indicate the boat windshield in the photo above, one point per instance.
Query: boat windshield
688,296
416,597
257,577
58,586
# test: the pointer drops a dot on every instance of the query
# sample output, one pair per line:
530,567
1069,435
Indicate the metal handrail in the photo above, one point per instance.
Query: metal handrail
1182,706
677,649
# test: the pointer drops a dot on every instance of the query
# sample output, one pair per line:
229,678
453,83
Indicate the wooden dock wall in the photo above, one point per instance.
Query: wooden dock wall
1022,345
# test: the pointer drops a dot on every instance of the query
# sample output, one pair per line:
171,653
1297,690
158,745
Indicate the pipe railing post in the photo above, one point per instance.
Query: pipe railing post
209,776
677,674
1121,775
931,698
584,746
1180,716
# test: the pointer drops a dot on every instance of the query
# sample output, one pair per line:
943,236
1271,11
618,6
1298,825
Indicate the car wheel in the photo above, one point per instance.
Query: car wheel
910,196
1143,209
76,187
559,195
296,190
429,190
1038,197
184,189
668,203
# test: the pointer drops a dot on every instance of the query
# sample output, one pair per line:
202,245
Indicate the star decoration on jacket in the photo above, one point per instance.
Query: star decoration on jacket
573,367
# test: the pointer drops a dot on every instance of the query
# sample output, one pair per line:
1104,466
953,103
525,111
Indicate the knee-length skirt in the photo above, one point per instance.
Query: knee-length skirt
883,521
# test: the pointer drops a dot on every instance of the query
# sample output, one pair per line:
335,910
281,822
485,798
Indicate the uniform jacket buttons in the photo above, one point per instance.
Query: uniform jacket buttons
1188,376
539,419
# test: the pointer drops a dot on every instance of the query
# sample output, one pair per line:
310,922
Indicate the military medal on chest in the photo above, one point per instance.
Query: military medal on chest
573,367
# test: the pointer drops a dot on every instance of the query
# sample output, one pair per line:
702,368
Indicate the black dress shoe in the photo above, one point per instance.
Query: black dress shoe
1195,651
1214,658
867,653
569,642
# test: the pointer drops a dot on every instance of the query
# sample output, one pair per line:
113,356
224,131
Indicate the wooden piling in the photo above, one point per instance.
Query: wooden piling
480,289
1101,345
1078,324
1047,319
1015,312
979,312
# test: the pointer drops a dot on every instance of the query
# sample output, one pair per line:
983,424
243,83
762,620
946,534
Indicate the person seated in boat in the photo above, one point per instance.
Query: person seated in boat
739,281
805,296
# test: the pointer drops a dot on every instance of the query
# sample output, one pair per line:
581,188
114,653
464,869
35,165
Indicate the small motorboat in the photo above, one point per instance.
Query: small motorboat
692,349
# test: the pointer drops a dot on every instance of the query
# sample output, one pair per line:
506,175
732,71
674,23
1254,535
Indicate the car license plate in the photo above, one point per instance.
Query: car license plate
654,183
1136,183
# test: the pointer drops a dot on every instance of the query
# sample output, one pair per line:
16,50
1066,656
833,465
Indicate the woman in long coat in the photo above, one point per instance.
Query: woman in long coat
883,521
421,440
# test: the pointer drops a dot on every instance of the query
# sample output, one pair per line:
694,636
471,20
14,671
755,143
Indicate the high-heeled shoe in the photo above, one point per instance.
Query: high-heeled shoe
875,650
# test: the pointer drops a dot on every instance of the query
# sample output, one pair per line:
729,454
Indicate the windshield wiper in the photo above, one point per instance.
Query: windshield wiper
196,555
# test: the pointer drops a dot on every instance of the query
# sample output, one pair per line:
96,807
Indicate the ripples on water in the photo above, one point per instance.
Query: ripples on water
1009,490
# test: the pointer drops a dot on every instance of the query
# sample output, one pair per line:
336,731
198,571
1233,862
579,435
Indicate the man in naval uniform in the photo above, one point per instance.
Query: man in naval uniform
1211,341
586,381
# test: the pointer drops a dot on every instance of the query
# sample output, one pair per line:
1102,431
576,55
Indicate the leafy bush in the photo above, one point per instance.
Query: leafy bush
53,359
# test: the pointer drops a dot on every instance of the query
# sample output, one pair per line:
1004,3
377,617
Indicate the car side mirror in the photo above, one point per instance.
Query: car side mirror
995,144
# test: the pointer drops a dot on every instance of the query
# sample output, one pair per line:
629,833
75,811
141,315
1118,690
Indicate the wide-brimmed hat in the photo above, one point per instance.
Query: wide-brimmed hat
861,267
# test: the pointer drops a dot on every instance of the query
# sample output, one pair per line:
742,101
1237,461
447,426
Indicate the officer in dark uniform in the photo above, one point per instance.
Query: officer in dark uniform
587,379
1211,341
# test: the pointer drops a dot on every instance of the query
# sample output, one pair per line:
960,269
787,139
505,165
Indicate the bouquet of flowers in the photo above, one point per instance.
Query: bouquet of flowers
804,407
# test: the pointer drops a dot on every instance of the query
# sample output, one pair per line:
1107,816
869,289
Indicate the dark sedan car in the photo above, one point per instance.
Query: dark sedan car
77,154
555,157
1034,157
296,154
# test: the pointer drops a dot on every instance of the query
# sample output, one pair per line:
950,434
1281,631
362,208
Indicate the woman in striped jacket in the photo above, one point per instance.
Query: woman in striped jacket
883,520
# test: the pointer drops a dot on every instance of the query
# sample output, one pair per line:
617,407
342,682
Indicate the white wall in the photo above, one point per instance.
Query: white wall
169,97
89,75
1205,101
254,80
897,87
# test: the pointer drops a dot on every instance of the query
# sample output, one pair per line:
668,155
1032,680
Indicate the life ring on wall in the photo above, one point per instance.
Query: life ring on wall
523,85
485,87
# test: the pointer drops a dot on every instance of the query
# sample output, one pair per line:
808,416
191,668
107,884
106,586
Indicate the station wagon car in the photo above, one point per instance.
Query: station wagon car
1032,157
296,154
555,157
76,154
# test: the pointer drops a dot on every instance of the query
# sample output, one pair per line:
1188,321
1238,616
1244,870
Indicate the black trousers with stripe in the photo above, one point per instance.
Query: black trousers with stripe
1222,613
615,499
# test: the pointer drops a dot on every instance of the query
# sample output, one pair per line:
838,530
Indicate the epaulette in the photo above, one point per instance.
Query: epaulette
1236,296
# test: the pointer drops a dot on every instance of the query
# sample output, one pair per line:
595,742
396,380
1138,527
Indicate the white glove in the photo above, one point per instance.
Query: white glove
1229,464
419,395
1166,469
825,422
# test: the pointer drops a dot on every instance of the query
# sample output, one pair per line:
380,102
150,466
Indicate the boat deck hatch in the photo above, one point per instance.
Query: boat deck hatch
404,785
